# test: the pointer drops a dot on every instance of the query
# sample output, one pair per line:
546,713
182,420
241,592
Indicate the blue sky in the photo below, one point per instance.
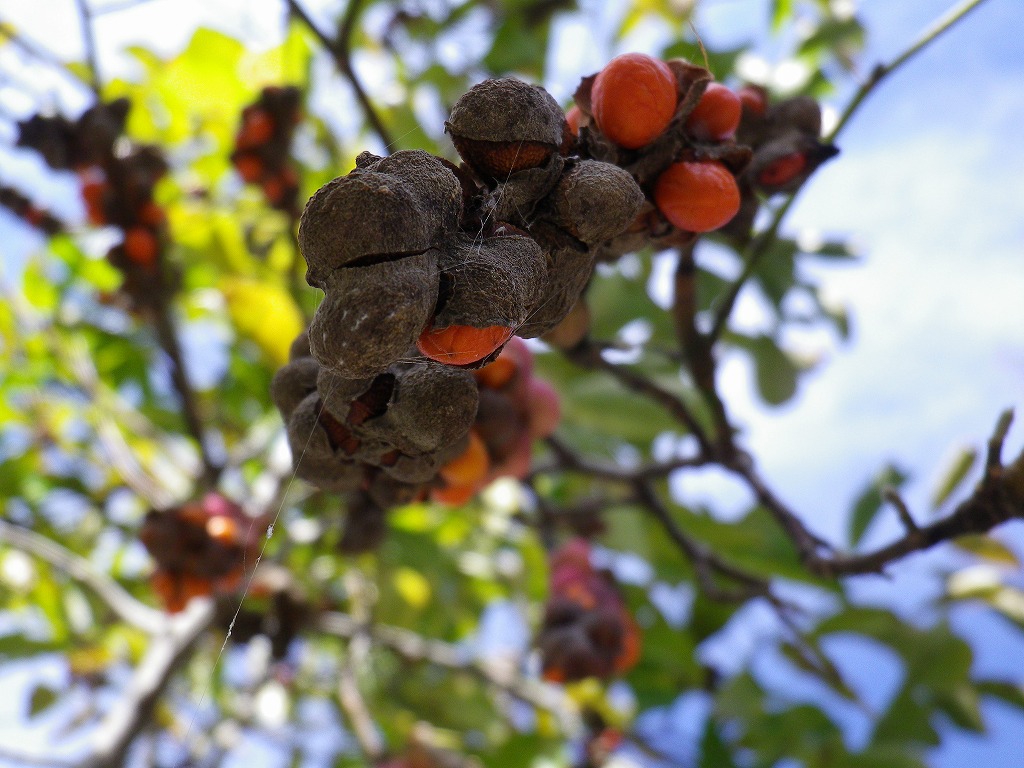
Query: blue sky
929,184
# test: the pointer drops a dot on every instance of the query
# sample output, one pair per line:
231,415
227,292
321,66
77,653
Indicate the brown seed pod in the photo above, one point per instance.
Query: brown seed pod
433,182
338,392
801,113
499,423
372,216
372,315
313,454
490,281
595,201
572,329
569,271
294,383
432,406
503,126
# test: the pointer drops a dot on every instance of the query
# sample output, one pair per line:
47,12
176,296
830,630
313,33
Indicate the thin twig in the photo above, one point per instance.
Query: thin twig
416,648
567,459
89,40
359,719
588,355
935,30
892,495
168,339
761,244
705,562
113,595
340,50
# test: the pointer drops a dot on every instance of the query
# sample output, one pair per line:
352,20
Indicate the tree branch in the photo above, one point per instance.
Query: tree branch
705,562
588,355
113,595
168,339
416,648
165,655
340,50
89,40
760,245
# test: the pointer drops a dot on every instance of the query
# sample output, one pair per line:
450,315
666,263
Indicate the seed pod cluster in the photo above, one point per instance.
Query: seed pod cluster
587,629
419,427
380,440
116,189
411,251
200,548
515,408
263,141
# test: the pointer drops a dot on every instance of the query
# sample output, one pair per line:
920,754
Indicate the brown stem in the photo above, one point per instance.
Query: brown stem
89,40
340,50
169,342
587,354
705,562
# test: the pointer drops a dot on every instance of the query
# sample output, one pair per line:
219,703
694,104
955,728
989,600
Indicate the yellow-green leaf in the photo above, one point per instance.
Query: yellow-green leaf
264,313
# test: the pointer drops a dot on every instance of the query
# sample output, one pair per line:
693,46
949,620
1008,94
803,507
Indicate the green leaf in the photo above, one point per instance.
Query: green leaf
988,548
775,371
42,698
870,500
956,472
714,752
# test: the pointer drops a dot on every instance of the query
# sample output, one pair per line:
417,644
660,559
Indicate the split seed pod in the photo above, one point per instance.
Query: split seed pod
314,457
503,126
493,281
373,216
372,315
431,407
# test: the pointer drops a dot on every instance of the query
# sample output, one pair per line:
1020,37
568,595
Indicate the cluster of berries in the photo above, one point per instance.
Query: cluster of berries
417,428
116,181
262,145
26,210
200,548
587,629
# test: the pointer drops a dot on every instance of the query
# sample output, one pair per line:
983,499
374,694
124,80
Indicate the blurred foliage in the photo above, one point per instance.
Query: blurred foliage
92,437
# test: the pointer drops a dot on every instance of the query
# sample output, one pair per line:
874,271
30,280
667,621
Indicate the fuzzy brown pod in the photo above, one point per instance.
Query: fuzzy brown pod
372,315
431,178
503,126
372,216
490,281
572,328
293,383
594,201
569,271
431,406
514,199
314,457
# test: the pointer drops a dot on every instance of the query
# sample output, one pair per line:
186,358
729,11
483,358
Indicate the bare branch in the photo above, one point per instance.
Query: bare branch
892,495
567,459
588,355
89,40
705,562
340,50
168,338
165,655
116,598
